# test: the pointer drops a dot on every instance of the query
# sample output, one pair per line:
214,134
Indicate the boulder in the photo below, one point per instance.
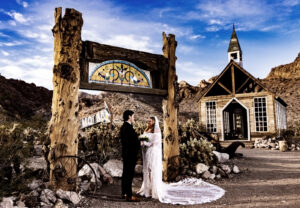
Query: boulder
212,176
7,202
226,168
206,175
114,168
235,169
36,163
178,178
45,205
38,150
201,168
87,171
214,169
60,204
85,185
108,179
32,199
20,204
69,195
222,172
35,184
48,196
139,169
221,157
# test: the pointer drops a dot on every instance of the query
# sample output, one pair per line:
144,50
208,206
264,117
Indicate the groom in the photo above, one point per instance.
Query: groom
130,148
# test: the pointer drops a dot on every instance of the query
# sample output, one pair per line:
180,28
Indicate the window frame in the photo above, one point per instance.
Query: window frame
259,113
213,128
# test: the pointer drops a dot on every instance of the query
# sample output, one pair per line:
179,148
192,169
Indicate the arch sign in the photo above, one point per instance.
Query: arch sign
114,69
119,72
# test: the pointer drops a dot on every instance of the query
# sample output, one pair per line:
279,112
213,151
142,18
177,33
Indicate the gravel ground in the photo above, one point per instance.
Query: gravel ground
268,179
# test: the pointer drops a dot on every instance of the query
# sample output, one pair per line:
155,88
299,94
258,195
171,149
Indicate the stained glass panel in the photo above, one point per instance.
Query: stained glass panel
120,73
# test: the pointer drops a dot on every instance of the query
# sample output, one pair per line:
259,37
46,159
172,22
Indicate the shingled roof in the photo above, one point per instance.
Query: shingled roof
234,44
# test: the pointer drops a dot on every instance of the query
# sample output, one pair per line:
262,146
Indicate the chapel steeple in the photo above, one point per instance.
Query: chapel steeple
234,49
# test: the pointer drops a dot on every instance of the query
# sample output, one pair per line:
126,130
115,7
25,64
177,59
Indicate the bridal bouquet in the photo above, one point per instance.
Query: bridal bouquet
143,137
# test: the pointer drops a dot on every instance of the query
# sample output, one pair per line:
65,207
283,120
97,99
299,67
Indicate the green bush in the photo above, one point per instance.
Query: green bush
15,145
100,143
194,148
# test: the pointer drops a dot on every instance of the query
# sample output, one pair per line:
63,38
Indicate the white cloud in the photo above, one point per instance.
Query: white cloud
164,10
5,53
194,37
291,2
12,22
36,69
39,36
11,44
3,35
232,8
213,28
131,41
193,72
18,17
215,21
25,4
22,3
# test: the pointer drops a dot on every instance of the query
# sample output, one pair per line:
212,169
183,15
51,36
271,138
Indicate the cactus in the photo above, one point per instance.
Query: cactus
193,148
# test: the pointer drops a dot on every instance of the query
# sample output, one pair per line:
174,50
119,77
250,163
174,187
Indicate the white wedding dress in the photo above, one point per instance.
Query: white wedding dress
185,192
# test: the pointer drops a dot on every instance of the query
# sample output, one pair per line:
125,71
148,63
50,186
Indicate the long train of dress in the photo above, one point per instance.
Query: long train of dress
185,192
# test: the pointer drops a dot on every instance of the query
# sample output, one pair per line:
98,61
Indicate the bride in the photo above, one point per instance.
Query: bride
185,192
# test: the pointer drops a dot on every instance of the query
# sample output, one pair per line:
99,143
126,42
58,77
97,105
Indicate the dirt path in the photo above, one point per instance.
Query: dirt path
268,179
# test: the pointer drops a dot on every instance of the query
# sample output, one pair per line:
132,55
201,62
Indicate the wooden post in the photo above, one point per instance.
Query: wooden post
170,113
64,123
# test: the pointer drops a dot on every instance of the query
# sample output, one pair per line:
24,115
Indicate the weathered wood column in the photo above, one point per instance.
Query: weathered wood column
170,113
64,123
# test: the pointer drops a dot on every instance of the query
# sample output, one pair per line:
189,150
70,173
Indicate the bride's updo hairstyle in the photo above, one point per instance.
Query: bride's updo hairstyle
152,126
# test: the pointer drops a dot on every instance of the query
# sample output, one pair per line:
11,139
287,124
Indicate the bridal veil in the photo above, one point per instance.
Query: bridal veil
185,192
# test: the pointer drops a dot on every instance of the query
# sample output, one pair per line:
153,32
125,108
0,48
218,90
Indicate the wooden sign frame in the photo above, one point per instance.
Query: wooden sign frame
156,64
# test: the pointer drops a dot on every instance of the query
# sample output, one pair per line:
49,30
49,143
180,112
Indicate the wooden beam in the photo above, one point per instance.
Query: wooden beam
233,80
170,107
120,88
225,88
64,123
243,85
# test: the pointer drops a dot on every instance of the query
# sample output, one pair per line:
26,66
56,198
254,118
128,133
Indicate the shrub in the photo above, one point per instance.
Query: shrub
194,148
15,146
100,143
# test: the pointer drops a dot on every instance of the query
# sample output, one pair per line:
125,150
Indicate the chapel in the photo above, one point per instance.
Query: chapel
237,106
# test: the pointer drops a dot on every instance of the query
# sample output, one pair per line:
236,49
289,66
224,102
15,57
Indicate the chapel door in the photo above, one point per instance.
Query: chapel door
238,122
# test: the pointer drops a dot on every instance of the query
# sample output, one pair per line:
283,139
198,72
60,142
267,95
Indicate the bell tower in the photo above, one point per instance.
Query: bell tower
234,49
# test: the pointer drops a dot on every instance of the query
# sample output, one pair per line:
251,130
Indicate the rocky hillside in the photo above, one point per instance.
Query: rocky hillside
20,100
287,71
284,80
143,105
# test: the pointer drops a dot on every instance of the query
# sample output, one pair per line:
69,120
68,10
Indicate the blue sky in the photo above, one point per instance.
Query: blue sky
268,31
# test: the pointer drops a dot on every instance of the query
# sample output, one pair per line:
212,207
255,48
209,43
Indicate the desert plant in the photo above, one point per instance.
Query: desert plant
194,146
196,151
100,143
15,146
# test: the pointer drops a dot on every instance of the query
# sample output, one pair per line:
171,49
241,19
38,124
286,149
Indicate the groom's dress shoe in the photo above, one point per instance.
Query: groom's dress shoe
132,199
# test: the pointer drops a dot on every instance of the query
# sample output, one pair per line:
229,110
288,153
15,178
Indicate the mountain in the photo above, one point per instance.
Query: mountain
20,100
288,71
284,81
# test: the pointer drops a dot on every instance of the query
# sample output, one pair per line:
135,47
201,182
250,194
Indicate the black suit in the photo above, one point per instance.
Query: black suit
130,149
